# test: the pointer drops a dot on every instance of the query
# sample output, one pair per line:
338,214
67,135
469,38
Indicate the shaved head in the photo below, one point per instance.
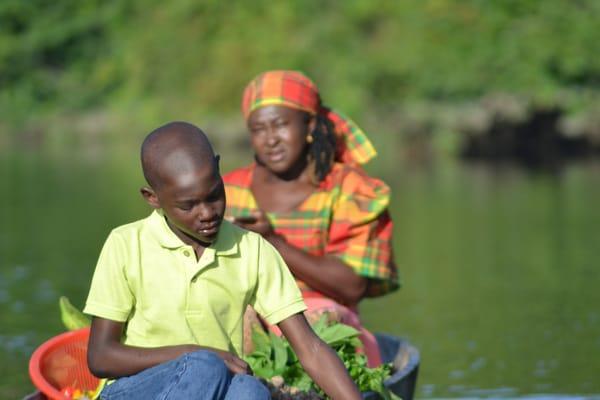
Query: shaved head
184,182
175,149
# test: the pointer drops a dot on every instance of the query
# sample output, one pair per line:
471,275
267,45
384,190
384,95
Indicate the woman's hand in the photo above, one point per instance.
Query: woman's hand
326,274
256,222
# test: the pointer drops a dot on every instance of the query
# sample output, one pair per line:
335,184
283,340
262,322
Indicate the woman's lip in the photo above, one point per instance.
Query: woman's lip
278,156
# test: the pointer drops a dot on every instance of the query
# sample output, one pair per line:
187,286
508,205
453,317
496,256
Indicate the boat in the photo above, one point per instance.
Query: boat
404,357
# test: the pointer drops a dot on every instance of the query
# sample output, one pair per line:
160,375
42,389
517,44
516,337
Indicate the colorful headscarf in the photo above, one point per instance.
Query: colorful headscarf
293,89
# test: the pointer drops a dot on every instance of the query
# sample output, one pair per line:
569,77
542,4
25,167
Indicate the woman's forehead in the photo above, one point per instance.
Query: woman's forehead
274,111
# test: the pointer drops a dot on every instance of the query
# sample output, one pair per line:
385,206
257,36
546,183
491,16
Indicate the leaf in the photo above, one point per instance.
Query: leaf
261,341
337,333
304,383
258,363
292,357
264,372
280,353
320,325
71,317
273,356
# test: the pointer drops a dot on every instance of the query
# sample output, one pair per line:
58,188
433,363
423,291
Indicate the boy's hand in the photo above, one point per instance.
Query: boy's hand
235,364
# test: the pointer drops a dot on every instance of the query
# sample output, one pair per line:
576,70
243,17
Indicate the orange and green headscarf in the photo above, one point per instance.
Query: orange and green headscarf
295,90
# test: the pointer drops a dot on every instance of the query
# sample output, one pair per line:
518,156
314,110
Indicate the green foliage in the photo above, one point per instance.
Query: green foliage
71,316
192,58
273,356
49,48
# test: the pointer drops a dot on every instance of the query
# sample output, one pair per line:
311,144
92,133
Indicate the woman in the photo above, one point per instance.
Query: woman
308,196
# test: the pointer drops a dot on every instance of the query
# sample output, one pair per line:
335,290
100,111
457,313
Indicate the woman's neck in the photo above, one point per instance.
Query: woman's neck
300,174
274,193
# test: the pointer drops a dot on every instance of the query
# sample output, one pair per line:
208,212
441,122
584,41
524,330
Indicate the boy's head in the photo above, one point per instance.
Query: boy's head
182,172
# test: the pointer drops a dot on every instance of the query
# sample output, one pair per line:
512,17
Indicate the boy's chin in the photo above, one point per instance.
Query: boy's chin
201,238
207,238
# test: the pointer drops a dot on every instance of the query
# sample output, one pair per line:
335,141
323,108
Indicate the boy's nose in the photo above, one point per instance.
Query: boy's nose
206,213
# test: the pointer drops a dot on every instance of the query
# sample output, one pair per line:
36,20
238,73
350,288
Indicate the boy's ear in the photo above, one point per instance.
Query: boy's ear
150,197
218,162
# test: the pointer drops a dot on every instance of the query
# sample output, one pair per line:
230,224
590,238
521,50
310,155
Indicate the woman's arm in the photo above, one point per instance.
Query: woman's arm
318,359
109,358
326,274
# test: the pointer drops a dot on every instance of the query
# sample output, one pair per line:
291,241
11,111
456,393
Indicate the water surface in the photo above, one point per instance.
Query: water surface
499,266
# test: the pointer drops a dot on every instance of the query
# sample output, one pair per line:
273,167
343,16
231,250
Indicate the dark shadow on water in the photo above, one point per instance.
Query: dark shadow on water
537,143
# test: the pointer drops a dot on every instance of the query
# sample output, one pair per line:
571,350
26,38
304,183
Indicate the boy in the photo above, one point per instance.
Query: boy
169,291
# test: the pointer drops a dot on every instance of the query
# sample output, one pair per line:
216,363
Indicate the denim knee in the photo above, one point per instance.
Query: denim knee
247,387
208,363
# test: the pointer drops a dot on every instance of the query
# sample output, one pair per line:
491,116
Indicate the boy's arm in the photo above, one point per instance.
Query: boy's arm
109,358
319,360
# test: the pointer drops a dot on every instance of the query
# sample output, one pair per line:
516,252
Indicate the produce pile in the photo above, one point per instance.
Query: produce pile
72,393
274,361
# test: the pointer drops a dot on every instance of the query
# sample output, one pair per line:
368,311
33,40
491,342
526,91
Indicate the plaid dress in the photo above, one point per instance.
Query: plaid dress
346,216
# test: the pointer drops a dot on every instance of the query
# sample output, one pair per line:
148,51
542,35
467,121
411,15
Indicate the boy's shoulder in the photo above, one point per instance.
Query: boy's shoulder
240,235
249,243
146,230
134,226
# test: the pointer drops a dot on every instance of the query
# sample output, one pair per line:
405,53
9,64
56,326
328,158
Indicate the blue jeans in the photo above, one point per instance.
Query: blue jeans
198,375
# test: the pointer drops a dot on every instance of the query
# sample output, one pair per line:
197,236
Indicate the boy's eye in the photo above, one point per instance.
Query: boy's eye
216,194
185,207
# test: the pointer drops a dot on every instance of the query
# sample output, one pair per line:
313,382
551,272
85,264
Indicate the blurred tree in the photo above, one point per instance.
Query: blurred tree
197,55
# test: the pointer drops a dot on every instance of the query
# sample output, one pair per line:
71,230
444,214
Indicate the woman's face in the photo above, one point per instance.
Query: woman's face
278,137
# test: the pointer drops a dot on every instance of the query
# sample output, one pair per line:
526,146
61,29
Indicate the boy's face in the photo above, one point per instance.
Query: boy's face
193,202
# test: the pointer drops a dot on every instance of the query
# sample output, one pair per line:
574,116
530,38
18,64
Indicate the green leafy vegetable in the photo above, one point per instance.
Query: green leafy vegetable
273,357
70,315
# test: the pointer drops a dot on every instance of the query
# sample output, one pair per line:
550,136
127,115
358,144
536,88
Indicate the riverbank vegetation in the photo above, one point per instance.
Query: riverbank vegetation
407,71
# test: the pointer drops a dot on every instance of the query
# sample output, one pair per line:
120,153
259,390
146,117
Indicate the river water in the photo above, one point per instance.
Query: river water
499,266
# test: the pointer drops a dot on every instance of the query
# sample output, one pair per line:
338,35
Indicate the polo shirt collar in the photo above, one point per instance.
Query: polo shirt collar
225,244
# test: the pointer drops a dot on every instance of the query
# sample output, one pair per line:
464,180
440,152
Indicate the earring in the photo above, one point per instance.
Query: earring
309,139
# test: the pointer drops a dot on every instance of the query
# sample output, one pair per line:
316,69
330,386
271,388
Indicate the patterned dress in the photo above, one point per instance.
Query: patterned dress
346,216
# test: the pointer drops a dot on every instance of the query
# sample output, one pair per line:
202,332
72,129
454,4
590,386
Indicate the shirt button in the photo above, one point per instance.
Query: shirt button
186,253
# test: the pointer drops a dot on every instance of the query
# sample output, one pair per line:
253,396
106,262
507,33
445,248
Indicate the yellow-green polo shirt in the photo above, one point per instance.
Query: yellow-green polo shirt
147,277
